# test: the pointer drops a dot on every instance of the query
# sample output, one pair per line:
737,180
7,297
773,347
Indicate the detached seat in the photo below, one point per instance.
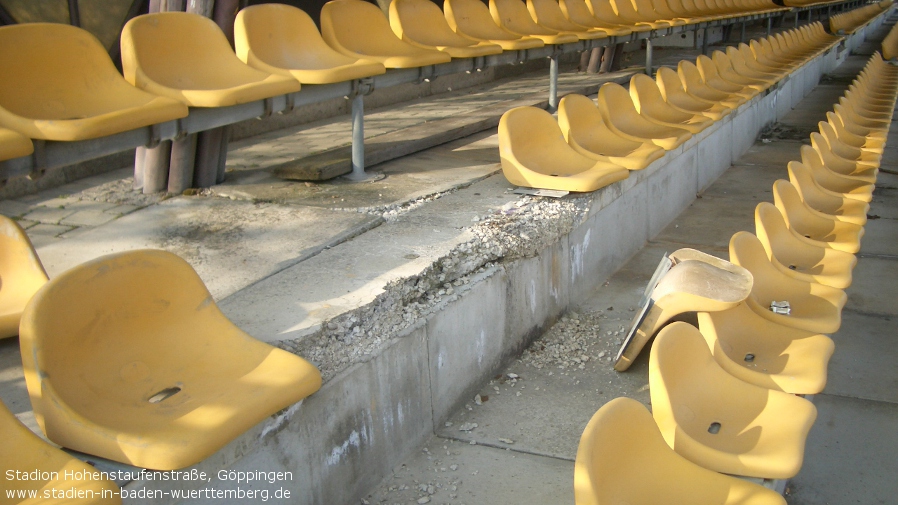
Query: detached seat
695,281
59,84
585,131
813,307
622,458
127,357
359,29
21,275
187,57
421,23
281,39
23,451
534,154
767,354
721,422
472,19
14,145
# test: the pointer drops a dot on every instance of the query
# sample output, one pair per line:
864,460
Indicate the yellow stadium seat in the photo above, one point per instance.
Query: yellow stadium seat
14,145
890,45
651,105
871,125
37,467
708,70
514,17
718,421
547,13
622,458
876,135
845,150
60,84
359,29
828,202
854,170
741,67
854,139
471,18
826,178
627,9
696,86
187,57
585,131
696,282
127,357
661,12
604,11
767,354
621,117
812,306
421,23
21,275
673,92
281,39
752,61
814,224
727,72
798,256
879,99
534,154
578,12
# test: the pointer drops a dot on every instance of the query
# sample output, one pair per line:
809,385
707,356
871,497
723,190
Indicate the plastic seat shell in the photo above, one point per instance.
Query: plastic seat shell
187,57
821,199
281,39
650,104
60,84
14,145
472,19
759,432
127,357
622,458
514,17
534,154
813,224
421,23
21,275
767,354
621,116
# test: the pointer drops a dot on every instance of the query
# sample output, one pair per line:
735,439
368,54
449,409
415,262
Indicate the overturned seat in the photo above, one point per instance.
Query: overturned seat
534,154
783,299
813,224
127,357
650,104
721,422
621,117
798,256
63,479
359,29
686,281
767,354
14,145
281,39
471,18
421,23
187,57
60,84
21,275
622,458
583,128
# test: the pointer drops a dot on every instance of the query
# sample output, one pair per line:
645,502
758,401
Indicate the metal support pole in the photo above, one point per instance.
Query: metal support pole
140,155
769,25
223,154
155,168
797,14
742,33
648,57
595,59
183,156
553,81
705,41
208,149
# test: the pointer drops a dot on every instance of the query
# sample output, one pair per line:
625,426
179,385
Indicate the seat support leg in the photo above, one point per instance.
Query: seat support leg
208,150
769,23
183,156
360,88
155,168
742,33
140,155
553,81
705,41
648,57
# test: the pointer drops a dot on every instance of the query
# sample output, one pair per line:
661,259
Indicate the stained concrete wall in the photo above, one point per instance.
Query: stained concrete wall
344,439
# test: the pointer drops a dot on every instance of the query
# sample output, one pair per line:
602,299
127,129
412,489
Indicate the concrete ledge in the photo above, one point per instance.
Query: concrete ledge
441,322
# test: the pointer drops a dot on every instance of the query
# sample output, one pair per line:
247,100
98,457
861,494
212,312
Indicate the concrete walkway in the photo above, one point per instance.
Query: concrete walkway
515,442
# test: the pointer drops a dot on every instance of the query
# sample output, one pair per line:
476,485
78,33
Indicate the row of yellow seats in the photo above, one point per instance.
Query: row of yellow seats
595,144
890,44
851,21
128,357
811,3
726,404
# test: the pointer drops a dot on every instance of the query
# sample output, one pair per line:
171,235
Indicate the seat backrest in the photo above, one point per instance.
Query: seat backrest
21,271
531,136
645,93
358,27
548,13
280,36
423,22
614,103
51,70
669,83
772,232
513,15
180,50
